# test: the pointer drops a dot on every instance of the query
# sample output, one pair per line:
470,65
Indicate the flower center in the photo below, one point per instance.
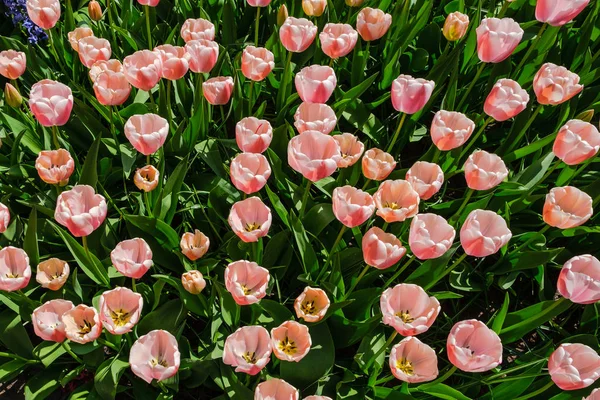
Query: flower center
85,328
246,290
309,307
393,205
120,317
56,275
405,316
249,357
12,275
159,361
288,346
251,227
405,366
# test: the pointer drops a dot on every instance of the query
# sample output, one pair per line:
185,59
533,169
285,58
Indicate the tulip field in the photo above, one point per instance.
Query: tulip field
303,199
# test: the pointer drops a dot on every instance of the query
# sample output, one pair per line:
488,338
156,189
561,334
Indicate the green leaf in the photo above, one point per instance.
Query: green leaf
521,322
43,384
501,316
48,352
10,369
307,254
107,377
527,260
372,346
169,317
30,244
89,171
13,335
171,191
191,301
441,391
280,209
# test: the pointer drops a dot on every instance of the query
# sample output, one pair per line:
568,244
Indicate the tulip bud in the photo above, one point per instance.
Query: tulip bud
12,96
282,15
586,116
455,26
94,10
354,3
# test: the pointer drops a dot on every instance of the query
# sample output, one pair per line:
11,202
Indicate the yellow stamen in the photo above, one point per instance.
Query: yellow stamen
288,346
309,307
405,366
246,290
12,276
85,328
249,357
393,205
120,317
160,362
405,316
251,227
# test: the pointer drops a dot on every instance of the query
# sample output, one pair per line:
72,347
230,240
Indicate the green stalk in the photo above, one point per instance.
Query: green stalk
70,352
353,286
539,391
282,95
395,137
399,272
148,29
531,48
541,231
446,272
467,197
55,137
474,138
520,135
470,87
304,199
330,254
257,26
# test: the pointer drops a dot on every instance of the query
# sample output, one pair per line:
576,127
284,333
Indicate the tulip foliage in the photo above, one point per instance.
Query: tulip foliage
272,199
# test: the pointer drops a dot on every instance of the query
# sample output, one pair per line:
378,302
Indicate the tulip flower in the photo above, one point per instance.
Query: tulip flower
47,320
194,245
282,15
246,281
146,178
497,39
576,142
574,366
120,310
217,91
413,361
396,201
257,63
314,8
258,3
338,40
250,219
194,29
455,26
12,97
506,100
567,207
351,149
249,172
193,281
290,341
43,13
431,236
473,347
450,129
352,206
155,355
484,170
55,166
82,324
12,63
483,233
380,249
150,3
52,274
313,154
554,85
312,304
297,34
94,10
315,117
409,95
146,132
558,13
425,178
80,210
315,83
132,258
15,271
4,218
101,66
51,102
377,164
143,69
275,389
203,54
175,61
372,24
595,395
579,279
408,309
253,135
248,349
112,88
92,49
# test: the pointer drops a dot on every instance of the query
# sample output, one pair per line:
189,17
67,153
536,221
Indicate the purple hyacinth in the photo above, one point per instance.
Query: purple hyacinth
17,11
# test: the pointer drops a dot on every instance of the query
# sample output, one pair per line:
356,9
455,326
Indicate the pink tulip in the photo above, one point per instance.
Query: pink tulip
194,29
12,63
52,274
290,341
450,129
77,34
312,304
82,324
595,395
576,142
567,207
431,236
314,8
51,102
4,218
47,320
43,13
413,361
101,66
175,61
497,38
146,132
408,309
112,88
258,3
574,366
377,164
253,135
554,85
372,24
155,356
250,219
246,281
315,117
132,257
579,279
318,398
473,347
217,91
506,100
558,13
483,233
313,154
150,3
15,271
203,54
315,83
143,69
257,63
92,49
55,166
380,249
338,40
484,170
297,34
455,26
193,281
249,172
248,349
351,149
120,310
80,210
409,95
425,178
194,245
146,178
275,389
396,201
352,206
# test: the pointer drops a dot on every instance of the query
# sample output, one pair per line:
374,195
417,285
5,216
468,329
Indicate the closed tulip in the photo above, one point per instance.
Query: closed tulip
506,100
484,170
297,34
351,149
132,257
567,207
377,164
12,97
312,304
396,201
497,39
313,154
249,172
246,281
94,10
112,88
248,349
120,310
473,347
81,210
253,135
275,389
203,53
579,279
217,91
12,63
4,218
193,281
425,178
92,49
455,26
282,15
372,23
15,271
52,274
155,355
574,366
315,83
431,236
47,320
43,13
315,117
175,61
314,8
101,66
146,132
554,85
143,69
257,63
409,95
413,361
194,29
352,206
483,233
55,166
450,129
381,250
82,324
194,245
51,102
576,142
558,13
408,309
290,341
150,3
250,219
146,178
338,40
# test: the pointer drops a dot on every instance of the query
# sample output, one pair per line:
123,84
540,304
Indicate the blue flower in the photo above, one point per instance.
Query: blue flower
17,12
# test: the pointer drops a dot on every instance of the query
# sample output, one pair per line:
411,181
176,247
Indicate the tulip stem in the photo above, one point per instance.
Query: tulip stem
147,201
531,48
4,354
107,344
113,132
198,92
384,226
447,375
524,129
331,63
148,29
256,27
436,155
395,137
504,8
169,84
148,159
55,137
110,22
304,198
68,350
250,95
470,87
355,283
445,272
467,197
473,139
133,285
330,254
384,348
539,391
284,82
399,272
85,246
541,232
366,184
